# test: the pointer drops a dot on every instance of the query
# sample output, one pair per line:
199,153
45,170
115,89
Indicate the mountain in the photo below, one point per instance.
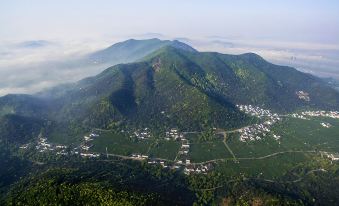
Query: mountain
174,86
34,44
133,50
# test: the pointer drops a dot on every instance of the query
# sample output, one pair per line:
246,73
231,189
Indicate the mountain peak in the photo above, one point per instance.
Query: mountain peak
133,50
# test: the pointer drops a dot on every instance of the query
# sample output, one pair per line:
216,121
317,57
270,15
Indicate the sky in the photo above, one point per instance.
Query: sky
277,29
302,20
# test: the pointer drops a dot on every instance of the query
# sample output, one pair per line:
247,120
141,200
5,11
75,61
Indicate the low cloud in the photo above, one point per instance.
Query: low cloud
30,66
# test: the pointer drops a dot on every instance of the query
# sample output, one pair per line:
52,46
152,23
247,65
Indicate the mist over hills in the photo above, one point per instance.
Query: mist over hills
31,66
80,142
45,64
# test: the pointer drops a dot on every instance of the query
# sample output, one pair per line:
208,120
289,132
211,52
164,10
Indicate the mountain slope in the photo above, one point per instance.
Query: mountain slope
249,79
140,96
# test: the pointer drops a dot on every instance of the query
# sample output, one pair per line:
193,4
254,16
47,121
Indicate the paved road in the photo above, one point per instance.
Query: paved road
255,158
275,154
227,147
134,158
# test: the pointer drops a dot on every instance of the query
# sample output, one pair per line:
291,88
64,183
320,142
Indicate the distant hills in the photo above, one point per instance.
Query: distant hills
170,84
34,44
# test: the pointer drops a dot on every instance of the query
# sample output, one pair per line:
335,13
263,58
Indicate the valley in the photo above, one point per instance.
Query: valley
296,137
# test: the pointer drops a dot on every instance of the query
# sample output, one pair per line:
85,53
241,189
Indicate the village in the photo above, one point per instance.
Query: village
330,114
43,146
141,135
84,147
298,116
330,156
307,114
182,162
258,131
256,111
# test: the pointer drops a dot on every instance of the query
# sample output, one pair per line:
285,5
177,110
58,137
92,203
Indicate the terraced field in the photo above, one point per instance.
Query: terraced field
300,142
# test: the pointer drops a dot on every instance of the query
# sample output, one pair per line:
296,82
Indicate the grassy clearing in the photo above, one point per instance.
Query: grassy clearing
253,149
200,152
165,149
270,168
118,143
309,134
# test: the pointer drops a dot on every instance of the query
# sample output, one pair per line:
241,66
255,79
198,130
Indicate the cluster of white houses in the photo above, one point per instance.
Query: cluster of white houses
330,114
331,156
304,115
84,147
326,125
183,152
276,137
90,137
163,163
139,156
174,134
94,155
184,161
258,131
143,134
43,146
198,168
257,111
303,95
296,115
254,132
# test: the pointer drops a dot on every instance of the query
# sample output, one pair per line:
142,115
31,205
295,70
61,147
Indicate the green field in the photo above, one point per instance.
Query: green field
165,149
200,152
253,148
309,134
120,144
270,168
299,143
296,135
